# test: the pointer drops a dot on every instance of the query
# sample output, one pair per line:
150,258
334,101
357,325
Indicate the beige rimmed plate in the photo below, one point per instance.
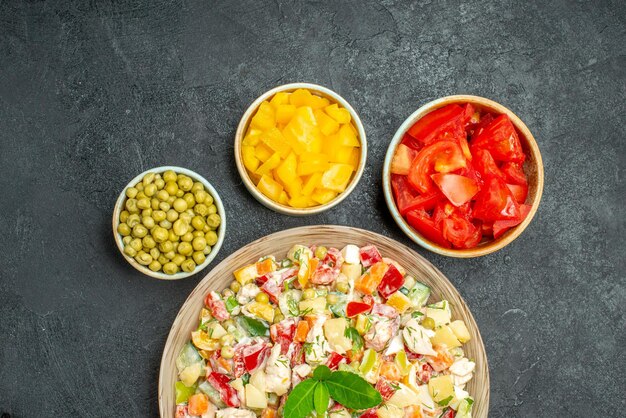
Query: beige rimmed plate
337,236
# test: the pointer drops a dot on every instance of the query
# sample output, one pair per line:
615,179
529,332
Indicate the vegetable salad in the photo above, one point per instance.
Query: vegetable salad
349,310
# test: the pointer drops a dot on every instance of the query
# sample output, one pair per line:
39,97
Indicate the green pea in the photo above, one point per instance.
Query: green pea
343,287
188,265
197,234
143,203
180,193
208,200
162,195
227,352
155,253
130,251
133,220
124,215
158,215
178,259
166,246
198,222
428,323
140,195
131,205
126,240
170,268
206,228
148,222
184,183
143,258
154,203
139,187
212,209
170,255
278,316
154,265
159,234
187,237
201,209
211,238
164,206
165,224
308,293
320,252
171,200
171,215
180,205
176,246
185,248
131,192
150,190
172,236
200,196
235,286
169,175
148,242
146,212
148,179
185,217
159,183
180,227
197,186
207,250
262,297
140,231
123,229
199,243
136,244
171,188
213,220
199,257
162,259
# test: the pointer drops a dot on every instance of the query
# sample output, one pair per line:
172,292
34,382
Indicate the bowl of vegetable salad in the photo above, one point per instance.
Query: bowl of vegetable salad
353,325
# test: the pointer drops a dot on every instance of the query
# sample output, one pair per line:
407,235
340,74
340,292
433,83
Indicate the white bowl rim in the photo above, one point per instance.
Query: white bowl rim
386,176
266,201
216,200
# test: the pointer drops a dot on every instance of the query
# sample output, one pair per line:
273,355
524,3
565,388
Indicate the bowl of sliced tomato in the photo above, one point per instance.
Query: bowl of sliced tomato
463,176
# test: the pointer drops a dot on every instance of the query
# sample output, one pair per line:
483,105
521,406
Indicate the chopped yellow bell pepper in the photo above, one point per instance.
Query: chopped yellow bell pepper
280,98
336,178
284,113
274,139
300,97
270,164
347,137
252,137
246,274
264,118
269,187
263,152
342,154
309,167
327,125
341,115
323,196
311,183
262,310
250,161
283,199
301,202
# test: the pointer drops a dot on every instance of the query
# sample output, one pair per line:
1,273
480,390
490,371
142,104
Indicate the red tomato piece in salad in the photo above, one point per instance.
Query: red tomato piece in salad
424,372
228,394
385,388
369,255
501,140
216,305
370,413
355,308
449,413
254,355
334,360
440,121
495,202
283,333
442,157
391,282
458,189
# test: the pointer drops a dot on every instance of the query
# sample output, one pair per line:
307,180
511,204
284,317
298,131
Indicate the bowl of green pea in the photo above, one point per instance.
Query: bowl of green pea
169,222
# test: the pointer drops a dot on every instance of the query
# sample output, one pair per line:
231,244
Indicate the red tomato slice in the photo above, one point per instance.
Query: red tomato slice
391,282
519,192
411,142
228,394
500,138
443,157
486,165
457,189
495,202
424,201
334,359
355,308
370,413
461,232
402,159
500,227
426,226
282,333
438,122
514,174
403,192
369,255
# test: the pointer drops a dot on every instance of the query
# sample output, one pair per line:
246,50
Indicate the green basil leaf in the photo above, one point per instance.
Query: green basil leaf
321,372
352,391
300,401
254,327
320,399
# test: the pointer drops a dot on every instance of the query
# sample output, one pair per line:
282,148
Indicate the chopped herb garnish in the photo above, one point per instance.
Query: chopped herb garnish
353,334
292,305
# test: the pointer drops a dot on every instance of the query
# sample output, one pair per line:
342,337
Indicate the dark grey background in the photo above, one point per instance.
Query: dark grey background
94,92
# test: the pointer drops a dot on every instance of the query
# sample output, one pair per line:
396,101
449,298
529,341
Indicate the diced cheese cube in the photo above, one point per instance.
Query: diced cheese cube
350,254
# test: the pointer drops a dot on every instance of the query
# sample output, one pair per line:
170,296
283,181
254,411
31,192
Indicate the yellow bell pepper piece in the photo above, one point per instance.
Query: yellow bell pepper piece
355,157
347,137
280,98
336,178
323,196
314,156
317,102
341,115
342,154
269,187
284,113
262,310
286,174
274,139
264,118
246,274
283,199
399,301
300,97
311,183
309,167
301,202
270,164
250,161
263,152
327,125
253,136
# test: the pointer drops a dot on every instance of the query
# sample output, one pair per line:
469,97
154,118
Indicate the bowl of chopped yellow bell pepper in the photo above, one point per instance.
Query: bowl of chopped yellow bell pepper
300,149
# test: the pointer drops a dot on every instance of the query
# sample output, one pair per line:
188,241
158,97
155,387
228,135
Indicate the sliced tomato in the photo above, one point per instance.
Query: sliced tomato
411,142
402,159
487,228
442,157
334,360
385,388
495,202
355,308
520,192
426,226
370,413
501,140
514,174
458,189
283,333
425,201
391,282
486,165
369,255
476,128
424,372
500,227
461,232
403,192
217,306
228,394
438,122
449,413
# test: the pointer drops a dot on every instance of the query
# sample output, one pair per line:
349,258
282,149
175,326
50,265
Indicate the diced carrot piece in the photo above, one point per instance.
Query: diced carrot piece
198,404
390,370
310,320
265,266
301,332
369,281
268,413
413,411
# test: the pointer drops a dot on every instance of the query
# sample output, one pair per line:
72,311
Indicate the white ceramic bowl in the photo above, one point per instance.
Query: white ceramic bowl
119,206
243,127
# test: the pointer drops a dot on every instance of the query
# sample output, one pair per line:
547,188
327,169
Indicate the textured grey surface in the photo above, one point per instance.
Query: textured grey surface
93,92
